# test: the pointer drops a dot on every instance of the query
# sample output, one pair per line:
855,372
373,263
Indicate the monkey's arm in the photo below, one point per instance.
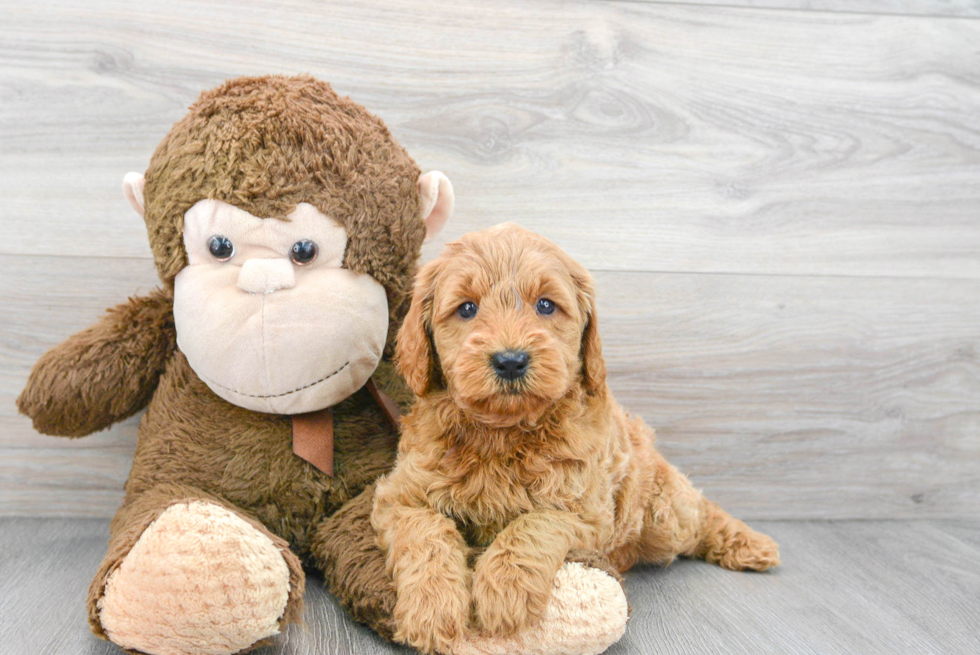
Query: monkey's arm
105,373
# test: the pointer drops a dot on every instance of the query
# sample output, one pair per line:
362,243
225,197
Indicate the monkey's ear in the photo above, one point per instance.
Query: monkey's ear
133,185
437,201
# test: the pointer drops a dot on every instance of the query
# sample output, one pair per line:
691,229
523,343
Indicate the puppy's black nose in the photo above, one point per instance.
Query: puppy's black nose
510,364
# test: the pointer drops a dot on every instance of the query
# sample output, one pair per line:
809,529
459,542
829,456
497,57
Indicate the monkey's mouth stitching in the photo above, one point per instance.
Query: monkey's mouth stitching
284,393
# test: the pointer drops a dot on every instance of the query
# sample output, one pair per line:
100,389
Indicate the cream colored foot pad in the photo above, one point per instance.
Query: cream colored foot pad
200,580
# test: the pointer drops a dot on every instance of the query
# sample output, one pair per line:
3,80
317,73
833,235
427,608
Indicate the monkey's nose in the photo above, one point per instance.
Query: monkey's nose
510,364
266,275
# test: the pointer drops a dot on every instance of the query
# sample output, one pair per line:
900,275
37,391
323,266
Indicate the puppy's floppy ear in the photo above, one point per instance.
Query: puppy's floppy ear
593,365
413,351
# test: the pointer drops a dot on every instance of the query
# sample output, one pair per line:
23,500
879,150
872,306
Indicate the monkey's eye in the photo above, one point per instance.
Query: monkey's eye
221,248
303,252
467,310
546,307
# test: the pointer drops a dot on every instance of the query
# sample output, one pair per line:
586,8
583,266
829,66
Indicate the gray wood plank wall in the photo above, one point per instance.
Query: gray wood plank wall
895,7
781,208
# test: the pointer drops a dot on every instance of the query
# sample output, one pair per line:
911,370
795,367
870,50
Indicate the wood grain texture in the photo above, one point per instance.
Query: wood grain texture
792,397
781,208
890,587
781,396
641,136
853,587
45,300
935,8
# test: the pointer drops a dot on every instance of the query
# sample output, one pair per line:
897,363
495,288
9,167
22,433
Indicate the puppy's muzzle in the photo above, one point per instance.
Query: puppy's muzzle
510,365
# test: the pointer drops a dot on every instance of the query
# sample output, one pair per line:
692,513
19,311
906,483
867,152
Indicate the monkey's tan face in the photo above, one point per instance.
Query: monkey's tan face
266,315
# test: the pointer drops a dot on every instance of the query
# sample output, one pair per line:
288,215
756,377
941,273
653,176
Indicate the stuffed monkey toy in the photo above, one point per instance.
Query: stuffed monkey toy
285,224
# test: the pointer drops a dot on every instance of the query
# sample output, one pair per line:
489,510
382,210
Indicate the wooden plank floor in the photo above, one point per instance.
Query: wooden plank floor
869,587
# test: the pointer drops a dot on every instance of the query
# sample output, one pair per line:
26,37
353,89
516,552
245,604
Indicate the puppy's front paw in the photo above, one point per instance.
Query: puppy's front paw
586,615
431,615
510,595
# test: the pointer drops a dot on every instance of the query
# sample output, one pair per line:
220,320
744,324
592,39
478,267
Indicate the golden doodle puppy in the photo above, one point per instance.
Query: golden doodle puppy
516,452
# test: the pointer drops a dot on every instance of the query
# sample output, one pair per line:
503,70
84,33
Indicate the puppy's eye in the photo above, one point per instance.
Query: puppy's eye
546,307
467,310
303,252
221,248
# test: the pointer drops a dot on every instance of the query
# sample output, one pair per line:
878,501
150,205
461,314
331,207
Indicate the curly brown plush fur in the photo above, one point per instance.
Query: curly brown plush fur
263,145
529,468
105,373
266,144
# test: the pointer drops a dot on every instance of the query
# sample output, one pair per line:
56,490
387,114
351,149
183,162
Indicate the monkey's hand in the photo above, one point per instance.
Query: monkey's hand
104,373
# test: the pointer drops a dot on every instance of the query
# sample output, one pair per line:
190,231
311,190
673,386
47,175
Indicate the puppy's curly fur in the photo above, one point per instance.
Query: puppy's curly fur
527,469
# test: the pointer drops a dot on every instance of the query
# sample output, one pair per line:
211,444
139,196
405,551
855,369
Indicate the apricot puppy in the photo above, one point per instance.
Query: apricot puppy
516,446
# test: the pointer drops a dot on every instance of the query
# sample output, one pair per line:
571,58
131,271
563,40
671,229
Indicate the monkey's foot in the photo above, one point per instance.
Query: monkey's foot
586,615
199,580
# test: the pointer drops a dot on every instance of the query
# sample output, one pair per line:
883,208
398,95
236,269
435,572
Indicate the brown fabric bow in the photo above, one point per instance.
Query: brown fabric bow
313,431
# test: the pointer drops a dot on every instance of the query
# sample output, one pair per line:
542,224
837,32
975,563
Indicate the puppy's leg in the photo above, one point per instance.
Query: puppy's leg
681,521
426,558
513,579
730,543
587,614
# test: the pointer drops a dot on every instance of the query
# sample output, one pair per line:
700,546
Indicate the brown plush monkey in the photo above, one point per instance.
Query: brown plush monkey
285,224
